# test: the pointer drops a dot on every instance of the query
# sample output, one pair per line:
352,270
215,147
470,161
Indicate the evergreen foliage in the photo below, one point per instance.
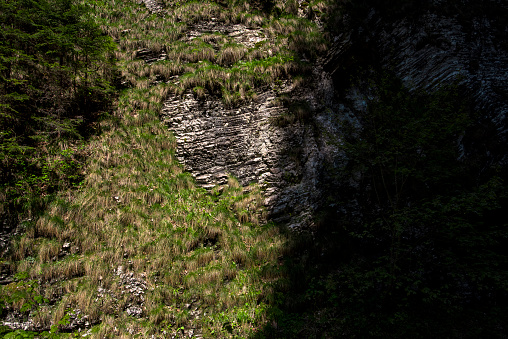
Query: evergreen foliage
54,77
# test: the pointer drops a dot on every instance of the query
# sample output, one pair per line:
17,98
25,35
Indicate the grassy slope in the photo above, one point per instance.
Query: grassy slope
139,210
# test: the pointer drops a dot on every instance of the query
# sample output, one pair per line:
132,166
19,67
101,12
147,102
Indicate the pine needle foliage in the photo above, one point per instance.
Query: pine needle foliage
54,83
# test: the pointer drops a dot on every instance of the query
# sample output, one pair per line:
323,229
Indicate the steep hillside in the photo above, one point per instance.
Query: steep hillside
410,229
265,169
138,248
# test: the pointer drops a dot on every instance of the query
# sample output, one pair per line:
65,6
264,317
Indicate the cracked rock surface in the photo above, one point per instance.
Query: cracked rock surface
438,47
153,6
214,141
289,161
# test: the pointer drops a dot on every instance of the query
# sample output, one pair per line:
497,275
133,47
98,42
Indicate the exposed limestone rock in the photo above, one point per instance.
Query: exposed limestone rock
75,320
153,6
134,287
214,142
12,321
238,33
290,161
439,50
241,34
438,47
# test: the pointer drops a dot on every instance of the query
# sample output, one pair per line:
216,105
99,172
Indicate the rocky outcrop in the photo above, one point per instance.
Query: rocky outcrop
259,142
439,50
214,141
289,160
240,33
443,44
254,145
153,6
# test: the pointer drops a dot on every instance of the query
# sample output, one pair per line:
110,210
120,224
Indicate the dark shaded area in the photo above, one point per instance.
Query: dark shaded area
411,241
415,246
358,13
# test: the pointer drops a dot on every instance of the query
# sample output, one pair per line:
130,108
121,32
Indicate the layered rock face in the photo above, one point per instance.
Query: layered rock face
153,5
251,144
443,44
438,50
293,162
214,141
260,142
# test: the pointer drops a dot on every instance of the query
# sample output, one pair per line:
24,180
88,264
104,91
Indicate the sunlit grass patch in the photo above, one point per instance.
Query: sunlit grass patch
230,54
208,259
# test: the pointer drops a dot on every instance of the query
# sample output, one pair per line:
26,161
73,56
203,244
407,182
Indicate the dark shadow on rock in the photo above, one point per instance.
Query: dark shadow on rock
434,265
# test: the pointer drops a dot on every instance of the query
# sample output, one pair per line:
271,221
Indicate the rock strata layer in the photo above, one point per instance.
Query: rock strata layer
438,47
153,6
441,50
250,144
291,161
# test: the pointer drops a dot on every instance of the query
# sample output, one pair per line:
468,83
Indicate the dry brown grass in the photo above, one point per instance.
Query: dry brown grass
198,11
137,208
231,54
215,38
167,69
67,269
48,250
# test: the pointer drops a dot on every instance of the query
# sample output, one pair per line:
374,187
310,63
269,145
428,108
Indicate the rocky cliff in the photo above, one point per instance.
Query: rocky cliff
426,49
442,44
139,245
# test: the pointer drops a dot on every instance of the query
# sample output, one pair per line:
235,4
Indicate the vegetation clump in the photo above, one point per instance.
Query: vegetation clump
215,61
55,82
